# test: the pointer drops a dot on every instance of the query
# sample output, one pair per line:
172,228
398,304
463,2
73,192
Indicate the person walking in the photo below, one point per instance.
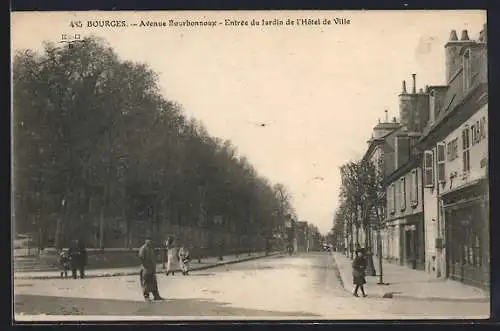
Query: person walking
171,258
184,259
358,273
149,282
78,258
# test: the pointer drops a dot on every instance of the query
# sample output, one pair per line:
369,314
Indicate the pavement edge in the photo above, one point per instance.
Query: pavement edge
338,274
136,273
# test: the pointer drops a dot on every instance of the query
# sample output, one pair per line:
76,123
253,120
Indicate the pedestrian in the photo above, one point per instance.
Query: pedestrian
64,262
358,273
149,282
184,259
171,258
165,244
78,258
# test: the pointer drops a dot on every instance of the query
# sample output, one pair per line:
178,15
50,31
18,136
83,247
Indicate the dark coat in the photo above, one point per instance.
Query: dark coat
358,270
78,257
148,259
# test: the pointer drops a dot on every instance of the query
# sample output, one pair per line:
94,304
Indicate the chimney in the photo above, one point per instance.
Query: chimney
386,116
404,88
394,120
482,34
414,88
453,35
465,35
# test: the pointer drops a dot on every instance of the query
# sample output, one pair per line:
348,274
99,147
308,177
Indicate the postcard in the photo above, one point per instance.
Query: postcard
250,165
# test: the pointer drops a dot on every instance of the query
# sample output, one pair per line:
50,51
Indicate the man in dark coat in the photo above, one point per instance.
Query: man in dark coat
148,279
78,258
358,273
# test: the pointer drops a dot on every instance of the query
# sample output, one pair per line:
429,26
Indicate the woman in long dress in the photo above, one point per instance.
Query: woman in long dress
171,259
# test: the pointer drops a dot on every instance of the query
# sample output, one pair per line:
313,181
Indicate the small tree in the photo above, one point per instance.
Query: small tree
376,205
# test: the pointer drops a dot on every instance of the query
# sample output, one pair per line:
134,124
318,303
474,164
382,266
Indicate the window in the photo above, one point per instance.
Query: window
466,149
466,59
452,150
392,200
478,131
440,162
402,193
414,188
429,169
472,248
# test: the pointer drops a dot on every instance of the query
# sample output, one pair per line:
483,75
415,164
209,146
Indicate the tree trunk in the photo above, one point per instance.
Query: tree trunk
367,236
357,236
381,271
58,240
101,229
101,219
351,243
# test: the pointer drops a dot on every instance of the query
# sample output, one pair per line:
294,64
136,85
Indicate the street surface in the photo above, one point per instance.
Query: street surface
304,286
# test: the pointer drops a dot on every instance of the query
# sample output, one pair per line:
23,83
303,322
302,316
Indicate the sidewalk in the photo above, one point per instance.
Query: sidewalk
206,263
404,282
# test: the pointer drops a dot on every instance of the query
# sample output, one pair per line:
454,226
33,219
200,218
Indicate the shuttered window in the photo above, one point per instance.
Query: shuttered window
414,188
429,169
441,159
466,150
402,193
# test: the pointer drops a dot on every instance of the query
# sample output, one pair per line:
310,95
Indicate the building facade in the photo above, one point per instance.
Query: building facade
380,153
455,166
404,233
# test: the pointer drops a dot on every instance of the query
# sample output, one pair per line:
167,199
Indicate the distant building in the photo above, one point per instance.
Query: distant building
301,236
380,152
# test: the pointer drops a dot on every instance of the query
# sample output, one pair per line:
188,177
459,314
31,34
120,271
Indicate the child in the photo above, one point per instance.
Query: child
64,262
184,260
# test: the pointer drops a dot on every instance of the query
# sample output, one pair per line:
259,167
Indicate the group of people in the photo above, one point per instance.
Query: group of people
147,255
172,255
74,259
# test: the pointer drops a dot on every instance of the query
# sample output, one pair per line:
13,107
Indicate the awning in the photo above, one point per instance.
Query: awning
477,188
465,203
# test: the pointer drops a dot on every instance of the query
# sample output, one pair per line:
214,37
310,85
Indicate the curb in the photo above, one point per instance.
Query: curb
136,273
391,295
338,274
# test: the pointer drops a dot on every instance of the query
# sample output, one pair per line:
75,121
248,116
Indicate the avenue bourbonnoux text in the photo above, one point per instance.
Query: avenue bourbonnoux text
213,23
250,165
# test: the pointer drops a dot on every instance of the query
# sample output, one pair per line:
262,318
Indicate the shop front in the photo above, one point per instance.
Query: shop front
467,236
413,242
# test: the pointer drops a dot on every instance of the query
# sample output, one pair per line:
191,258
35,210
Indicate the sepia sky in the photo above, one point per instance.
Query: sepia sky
319,89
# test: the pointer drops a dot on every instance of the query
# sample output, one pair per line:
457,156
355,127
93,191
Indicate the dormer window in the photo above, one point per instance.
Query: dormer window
467,74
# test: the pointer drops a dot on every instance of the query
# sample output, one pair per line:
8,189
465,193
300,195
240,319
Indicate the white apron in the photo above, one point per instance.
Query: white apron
184,260
171,259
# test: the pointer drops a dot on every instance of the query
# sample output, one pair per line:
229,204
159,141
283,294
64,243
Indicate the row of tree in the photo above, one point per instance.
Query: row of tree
362,208
97,148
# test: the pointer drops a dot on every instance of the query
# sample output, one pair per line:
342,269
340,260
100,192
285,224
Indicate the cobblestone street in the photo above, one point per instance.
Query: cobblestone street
305,286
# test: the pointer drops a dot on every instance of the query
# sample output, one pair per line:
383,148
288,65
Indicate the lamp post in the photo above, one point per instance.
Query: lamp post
379,247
